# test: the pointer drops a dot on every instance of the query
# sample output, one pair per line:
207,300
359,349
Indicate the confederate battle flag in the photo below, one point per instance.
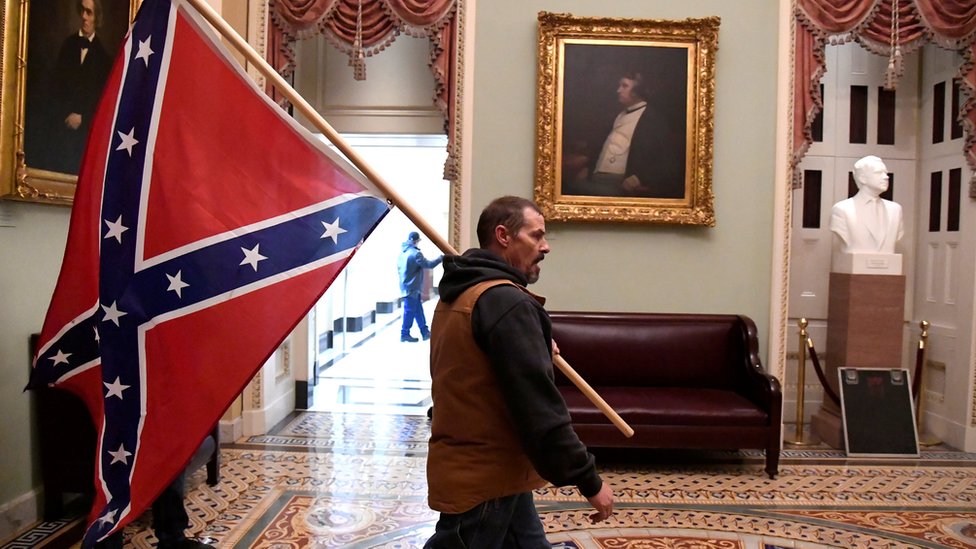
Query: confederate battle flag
206,224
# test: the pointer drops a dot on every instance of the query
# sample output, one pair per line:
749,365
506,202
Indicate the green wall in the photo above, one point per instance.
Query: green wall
32,242
645,268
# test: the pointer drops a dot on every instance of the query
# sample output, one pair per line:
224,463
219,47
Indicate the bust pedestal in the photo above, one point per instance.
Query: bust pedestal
865,318
864,263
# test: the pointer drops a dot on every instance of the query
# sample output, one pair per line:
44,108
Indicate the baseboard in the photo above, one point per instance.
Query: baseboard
231,431
354,323
304,394
257,422
20,513
949,432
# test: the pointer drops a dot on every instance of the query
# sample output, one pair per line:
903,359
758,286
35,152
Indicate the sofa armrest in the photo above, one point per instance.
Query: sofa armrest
758,385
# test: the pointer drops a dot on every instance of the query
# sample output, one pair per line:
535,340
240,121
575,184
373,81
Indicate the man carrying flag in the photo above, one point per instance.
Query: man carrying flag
206,224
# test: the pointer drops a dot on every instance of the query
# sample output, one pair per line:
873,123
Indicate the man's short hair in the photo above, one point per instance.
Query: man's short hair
640,86
863,163
508,211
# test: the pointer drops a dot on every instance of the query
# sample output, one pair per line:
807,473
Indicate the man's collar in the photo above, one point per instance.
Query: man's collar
866,198
635,107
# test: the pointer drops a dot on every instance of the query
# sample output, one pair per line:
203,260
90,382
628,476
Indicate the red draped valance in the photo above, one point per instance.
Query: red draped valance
363,28
948,23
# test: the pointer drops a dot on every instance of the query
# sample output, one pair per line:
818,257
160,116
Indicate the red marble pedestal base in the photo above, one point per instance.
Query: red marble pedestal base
865,322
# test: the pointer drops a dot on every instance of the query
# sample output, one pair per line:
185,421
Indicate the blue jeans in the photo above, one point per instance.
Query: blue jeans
511,521
413,310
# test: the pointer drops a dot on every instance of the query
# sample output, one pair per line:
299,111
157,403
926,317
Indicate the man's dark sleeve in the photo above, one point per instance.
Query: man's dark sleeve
427,263
510,330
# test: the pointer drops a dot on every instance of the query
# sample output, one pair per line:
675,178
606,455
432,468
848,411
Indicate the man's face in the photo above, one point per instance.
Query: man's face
87,17
874,178
626,93
529,246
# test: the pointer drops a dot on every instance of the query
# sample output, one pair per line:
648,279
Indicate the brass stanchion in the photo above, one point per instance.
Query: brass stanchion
801,366
923,440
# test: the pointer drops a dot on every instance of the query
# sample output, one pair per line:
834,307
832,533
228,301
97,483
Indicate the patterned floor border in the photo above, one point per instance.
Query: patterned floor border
359,481
371,432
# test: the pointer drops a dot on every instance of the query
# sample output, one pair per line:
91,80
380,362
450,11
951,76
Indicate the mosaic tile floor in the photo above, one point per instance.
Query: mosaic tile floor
357,480
342,478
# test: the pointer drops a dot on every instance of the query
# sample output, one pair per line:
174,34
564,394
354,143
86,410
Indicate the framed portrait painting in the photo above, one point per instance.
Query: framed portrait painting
625,119
57,55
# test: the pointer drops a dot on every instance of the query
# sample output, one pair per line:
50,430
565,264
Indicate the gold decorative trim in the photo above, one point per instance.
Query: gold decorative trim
778,365
787,228
972,410
257,36
569,45
457,185
283,364
256,387
18,180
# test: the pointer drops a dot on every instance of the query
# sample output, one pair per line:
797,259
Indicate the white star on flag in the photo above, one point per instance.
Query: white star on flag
332,230
60,358
115,229
252,257
176,283
112,313
120,455
144,50
109,517
115,388
128,141
98,338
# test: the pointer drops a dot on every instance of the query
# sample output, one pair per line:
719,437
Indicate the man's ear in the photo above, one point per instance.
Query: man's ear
501,236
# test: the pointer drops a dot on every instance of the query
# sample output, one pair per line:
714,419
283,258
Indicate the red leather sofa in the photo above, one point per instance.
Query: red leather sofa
679,380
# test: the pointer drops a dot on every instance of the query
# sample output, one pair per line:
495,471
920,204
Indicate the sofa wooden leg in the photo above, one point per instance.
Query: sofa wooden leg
772,462
213,464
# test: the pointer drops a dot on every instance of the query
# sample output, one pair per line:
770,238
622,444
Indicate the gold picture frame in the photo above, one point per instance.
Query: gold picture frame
40,148
584,169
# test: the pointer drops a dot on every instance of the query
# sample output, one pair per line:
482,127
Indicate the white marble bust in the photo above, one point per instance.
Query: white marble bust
867,223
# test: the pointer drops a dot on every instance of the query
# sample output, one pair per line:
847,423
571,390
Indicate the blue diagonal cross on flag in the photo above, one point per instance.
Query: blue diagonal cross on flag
206,224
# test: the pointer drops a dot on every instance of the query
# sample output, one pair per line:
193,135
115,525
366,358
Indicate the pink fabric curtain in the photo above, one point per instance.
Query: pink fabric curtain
809,67
955,20
303,14
363,28
967,111
835,16
947,23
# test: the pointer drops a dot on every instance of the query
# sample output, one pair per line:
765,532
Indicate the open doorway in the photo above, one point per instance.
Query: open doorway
362,366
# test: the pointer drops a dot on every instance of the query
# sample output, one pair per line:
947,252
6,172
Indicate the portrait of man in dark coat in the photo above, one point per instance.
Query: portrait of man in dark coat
66,76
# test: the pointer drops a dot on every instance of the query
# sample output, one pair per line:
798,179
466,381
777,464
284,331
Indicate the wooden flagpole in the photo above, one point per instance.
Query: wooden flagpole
394,197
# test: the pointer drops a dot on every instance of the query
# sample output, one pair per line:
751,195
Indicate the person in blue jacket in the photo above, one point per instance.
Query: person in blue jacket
410,266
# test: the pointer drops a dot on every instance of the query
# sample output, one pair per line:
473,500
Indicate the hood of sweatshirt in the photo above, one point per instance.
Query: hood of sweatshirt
472,267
